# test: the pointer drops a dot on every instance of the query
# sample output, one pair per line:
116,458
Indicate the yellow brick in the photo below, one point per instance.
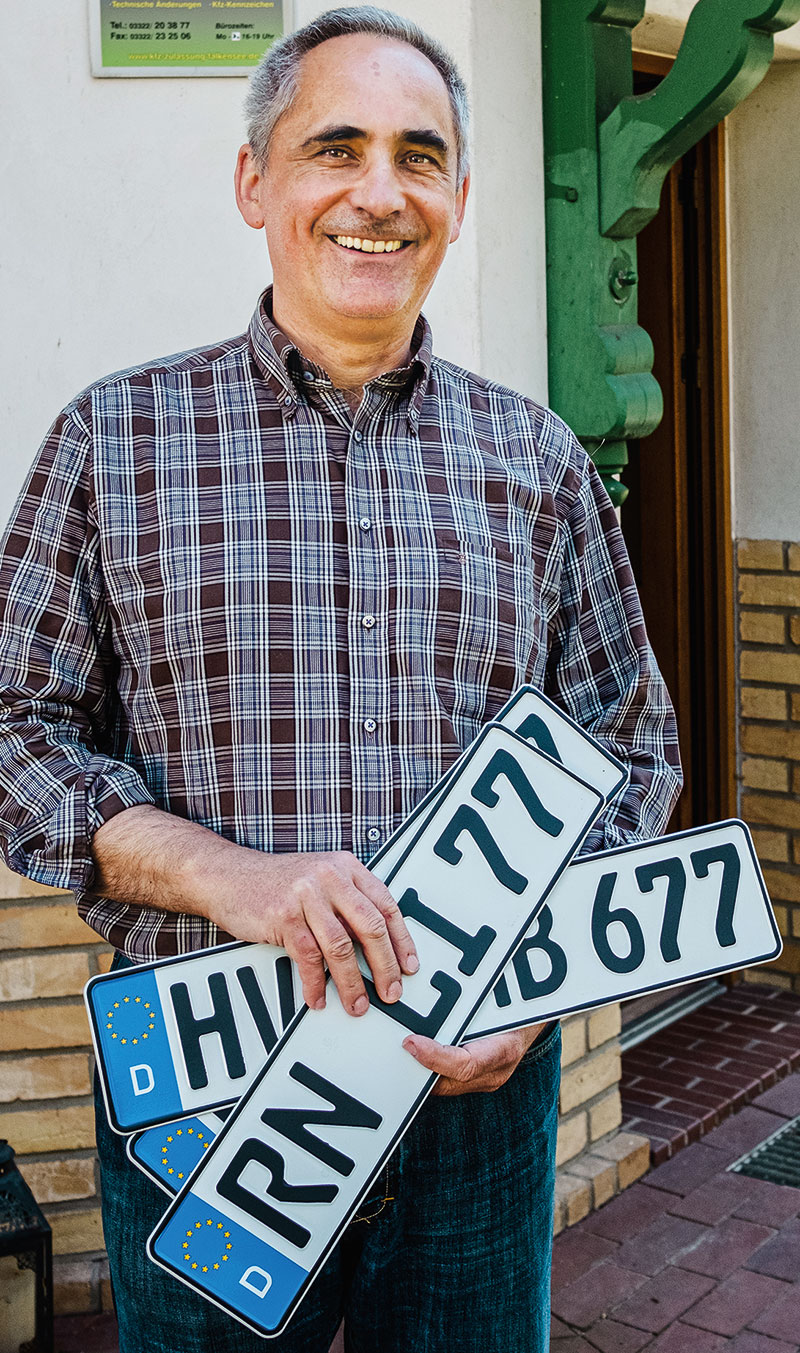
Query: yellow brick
771,845
796,849
630,1151
764,741
573,1134
573,1039
762,627
769,590
795,714
795,920
606,1115
36,927
794,629
60,1181
763,702
604,1024
601,1174
46,1077
795,779
772,812
32,1130
780,668
767,977
786,962
59,1025
104,960
589,1078
794,558
72,1298
764,554
14,885
574,1196
76,1232
781,917
761,774
783,886
35,975
106,1297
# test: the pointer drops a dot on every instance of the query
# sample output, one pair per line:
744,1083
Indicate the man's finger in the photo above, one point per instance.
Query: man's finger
399,934
302,947
457,1064
338,951
368,926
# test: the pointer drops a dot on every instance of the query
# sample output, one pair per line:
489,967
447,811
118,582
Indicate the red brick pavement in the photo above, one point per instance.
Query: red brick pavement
692,1259
682,1082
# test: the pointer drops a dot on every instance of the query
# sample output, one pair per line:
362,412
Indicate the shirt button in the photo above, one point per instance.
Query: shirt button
374,834
365,523
288,400
309,376
357,437
370,726
368,621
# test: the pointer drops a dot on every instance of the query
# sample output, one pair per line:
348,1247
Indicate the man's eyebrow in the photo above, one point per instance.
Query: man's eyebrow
328,135
415,136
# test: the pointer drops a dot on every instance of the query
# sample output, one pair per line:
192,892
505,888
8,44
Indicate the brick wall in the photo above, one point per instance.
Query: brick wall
595,1160
46,956
769,732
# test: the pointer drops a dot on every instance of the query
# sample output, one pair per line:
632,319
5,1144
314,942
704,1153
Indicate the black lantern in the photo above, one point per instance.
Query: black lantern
26,1265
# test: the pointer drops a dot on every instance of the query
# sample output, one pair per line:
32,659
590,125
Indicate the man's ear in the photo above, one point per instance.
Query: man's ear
247,180
461,204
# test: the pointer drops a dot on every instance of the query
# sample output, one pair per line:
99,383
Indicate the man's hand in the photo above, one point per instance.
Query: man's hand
314,905
482,1065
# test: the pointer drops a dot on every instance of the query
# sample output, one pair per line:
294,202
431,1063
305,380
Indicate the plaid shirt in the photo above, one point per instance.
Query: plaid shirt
224,594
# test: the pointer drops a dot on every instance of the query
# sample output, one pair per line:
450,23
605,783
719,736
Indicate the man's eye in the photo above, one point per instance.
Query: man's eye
419,157
334,152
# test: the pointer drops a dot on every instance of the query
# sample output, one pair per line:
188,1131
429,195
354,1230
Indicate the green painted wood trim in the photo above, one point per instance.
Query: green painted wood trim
725,53
606,156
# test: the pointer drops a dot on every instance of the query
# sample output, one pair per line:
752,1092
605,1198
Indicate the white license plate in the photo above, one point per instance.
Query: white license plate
186,1035
170,1152
628,921
532,716
206,1035
286,1173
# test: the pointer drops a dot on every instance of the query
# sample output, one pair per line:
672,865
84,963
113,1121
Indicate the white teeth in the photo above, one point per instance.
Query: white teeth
368,246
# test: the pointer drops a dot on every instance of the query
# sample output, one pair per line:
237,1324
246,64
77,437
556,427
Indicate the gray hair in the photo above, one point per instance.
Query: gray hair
273,84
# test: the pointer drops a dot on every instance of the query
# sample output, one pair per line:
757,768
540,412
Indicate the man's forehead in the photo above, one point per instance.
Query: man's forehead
373,76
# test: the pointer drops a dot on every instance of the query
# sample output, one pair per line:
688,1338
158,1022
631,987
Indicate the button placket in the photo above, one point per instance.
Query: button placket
369,667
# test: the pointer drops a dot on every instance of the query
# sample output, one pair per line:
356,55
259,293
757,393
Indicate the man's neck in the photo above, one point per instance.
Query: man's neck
350,359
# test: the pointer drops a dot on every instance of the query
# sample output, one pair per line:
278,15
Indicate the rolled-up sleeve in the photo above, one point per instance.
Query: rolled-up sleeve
602,671
57,784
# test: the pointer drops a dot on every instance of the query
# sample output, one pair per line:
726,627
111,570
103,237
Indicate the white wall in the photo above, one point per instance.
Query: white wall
120,239
764,155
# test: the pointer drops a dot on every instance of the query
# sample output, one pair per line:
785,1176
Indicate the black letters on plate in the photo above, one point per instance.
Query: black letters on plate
346,1112
262,1153
473,947
191,1030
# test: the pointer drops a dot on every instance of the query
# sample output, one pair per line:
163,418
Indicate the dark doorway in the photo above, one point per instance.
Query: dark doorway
676,519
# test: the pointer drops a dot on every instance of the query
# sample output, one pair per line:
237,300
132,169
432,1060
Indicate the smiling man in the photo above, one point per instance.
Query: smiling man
256,599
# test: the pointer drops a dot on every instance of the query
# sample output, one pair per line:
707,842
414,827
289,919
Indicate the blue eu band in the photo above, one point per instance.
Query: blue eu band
134,1049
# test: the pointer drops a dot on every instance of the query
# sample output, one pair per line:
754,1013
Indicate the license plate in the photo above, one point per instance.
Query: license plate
532,716
634,920
286,1173
213,1016
186,1035
171,1152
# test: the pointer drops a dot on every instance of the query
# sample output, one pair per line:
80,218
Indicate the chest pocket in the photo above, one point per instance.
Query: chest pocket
490,627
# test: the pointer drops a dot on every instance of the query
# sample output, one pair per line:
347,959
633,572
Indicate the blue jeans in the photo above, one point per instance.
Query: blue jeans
452,1254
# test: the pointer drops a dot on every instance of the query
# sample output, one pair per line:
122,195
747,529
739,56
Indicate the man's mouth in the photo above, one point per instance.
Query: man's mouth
368,246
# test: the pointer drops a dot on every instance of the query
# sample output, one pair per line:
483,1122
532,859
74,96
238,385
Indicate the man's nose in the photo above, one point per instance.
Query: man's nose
378,189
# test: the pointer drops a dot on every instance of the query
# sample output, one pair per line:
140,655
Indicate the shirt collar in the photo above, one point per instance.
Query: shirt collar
290,374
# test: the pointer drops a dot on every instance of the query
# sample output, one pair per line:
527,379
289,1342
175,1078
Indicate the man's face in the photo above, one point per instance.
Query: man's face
365,154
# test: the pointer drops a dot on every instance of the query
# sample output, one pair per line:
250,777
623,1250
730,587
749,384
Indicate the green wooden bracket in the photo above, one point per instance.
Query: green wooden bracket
725,53
606,156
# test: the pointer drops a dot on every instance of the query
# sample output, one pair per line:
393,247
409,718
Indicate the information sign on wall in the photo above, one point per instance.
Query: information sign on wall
183,37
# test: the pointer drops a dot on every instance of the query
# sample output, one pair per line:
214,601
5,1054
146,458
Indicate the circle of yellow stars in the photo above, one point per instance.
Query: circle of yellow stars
190,1132
147,1011
226,1236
